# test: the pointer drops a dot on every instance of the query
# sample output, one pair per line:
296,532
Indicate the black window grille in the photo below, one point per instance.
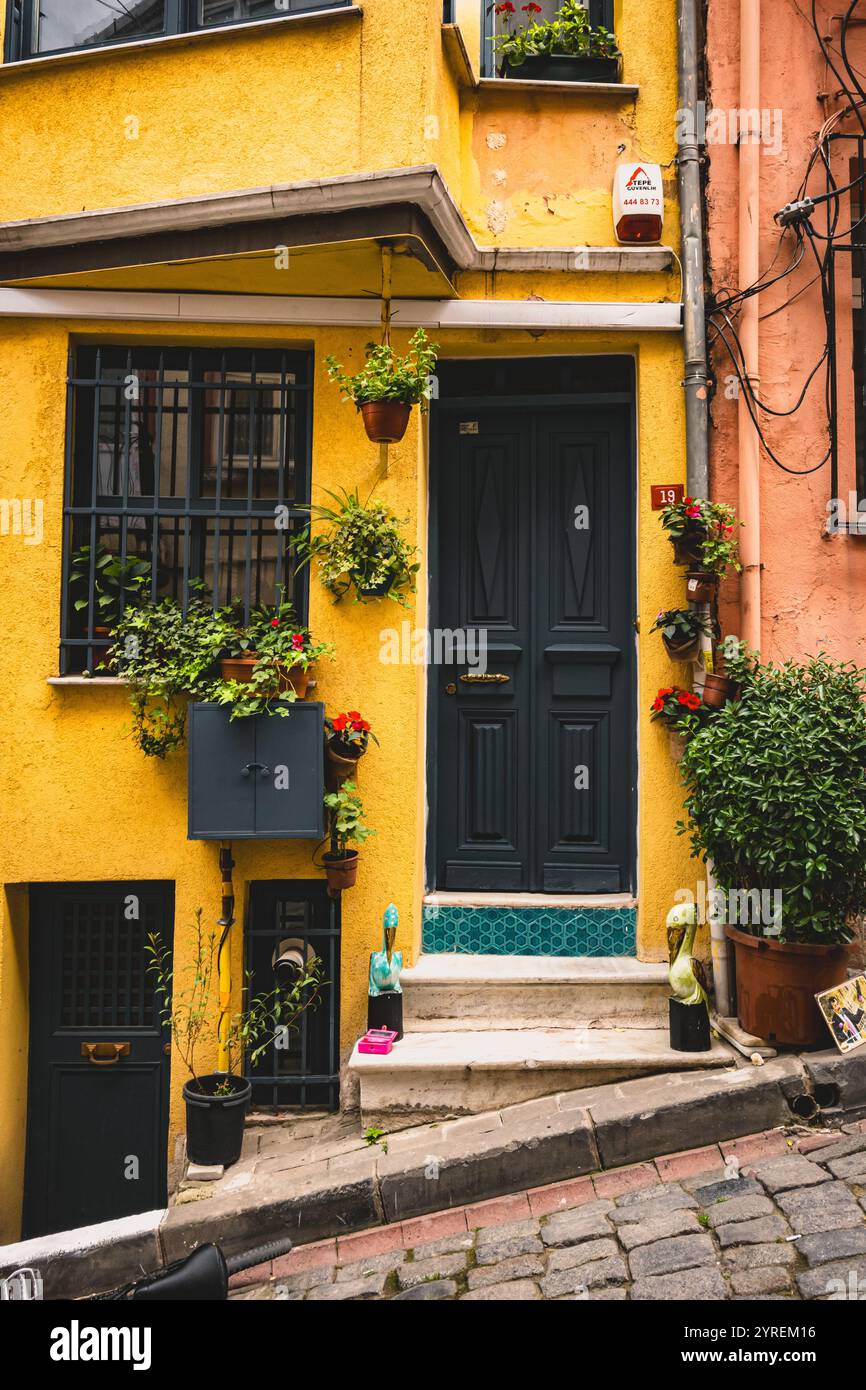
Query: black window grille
193,461
36,27
600,12
301,1069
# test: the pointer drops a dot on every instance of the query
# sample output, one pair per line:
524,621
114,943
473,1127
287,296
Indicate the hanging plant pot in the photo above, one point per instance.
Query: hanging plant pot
385,421
701,586
340,767
215,1123
375,590
687,547
677,745
341,870
682,650
718,690
776,986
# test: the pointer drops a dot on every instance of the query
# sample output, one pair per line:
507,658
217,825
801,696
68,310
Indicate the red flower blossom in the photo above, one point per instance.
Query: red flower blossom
340,723
506,8
658,703
275,622
363,725
531,9
298,642
353,714
693,511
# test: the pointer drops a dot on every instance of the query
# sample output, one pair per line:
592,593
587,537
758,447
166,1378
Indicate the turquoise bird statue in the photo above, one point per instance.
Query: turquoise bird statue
386,965
687,976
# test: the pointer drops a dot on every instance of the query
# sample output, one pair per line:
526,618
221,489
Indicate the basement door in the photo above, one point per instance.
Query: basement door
97,1122
533,762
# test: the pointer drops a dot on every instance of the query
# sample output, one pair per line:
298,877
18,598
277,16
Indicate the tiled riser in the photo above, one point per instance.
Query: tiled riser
530,931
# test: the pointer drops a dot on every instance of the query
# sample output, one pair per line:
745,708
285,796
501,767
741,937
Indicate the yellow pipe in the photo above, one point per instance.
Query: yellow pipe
224,960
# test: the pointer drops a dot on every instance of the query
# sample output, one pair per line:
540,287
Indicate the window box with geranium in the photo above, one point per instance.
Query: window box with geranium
564,48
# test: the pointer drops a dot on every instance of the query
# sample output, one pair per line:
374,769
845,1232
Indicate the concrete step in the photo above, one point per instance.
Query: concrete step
434,1075
467,993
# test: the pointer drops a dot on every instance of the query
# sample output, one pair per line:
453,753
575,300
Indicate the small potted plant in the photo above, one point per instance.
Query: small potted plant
345,823
681,630
388,385
566,48
117,584
681,713
777,801
346,739
734,660
359,547
217,1102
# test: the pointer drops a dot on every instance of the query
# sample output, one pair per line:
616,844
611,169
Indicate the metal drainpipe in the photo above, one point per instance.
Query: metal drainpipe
695,354
692,236
749,271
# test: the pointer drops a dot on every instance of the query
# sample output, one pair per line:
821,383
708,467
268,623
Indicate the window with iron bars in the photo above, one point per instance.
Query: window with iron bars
36,27
192,464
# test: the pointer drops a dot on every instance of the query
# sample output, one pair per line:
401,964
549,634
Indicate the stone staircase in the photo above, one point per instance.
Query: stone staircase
482,1032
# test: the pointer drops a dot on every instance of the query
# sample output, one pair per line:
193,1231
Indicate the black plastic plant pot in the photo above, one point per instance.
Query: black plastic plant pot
375,590
215,1123
563,67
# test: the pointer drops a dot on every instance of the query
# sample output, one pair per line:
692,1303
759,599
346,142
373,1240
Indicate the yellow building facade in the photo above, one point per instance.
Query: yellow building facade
233,187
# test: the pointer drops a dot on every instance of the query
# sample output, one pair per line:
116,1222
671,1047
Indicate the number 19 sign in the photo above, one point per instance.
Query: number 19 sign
665,494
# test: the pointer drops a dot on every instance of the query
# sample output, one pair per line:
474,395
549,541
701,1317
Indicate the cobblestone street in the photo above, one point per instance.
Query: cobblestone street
770,1217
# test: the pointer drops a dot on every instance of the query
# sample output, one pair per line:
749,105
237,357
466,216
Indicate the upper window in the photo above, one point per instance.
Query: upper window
498,19
61,26
186,470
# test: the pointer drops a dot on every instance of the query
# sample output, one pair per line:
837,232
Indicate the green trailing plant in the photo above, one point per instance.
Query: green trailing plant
388,376
359,546
189,1007
166,657
116,583
346,820
777,791
711,527
569,32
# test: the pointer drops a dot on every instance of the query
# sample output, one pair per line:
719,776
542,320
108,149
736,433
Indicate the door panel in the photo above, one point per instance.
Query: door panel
97,1129
533,519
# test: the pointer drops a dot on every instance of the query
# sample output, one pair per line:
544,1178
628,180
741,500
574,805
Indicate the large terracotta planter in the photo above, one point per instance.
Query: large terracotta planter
385,421
240,668
777,983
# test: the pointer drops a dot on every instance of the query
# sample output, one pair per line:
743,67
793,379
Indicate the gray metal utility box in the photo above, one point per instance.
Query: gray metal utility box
259,778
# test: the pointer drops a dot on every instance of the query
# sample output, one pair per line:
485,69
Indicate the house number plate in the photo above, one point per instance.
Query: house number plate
468,426
665,494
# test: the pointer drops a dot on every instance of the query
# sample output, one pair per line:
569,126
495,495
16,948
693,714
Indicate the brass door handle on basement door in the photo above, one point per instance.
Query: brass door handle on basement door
105,1054
485,678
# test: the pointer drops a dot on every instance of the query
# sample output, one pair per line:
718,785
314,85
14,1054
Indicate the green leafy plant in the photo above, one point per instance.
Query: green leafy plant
167,656
116,583
388,376
345,820
682,625
568,32
360,548
188,1006
711,526
280,645
777,791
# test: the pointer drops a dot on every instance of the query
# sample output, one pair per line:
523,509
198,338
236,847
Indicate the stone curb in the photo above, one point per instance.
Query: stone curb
435,1167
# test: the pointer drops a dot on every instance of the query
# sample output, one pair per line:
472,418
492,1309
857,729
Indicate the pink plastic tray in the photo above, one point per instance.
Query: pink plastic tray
377,1040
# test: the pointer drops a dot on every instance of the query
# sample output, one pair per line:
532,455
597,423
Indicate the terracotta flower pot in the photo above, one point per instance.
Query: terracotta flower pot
718,690
701,586
340,768
677,744
341,871
240,668
777,983
385,421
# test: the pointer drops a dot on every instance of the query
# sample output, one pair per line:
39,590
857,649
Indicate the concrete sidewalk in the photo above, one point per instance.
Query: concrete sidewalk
314,1180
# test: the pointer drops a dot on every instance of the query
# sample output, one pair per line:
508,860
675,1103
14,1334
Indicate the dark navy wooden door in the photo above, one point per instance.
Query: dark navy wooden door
533,757
99,1071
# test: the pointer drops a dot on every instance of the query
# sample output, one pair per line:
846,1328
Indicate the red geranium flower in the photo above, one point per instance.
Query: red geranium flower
506,8
532,9
693,511
363,725
298,641
658,703
353,714
340,723
275,622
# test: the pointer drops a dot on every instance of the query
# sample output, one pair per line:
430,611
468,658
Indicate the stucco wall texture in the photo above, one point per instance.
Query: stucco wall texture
814,586
344,94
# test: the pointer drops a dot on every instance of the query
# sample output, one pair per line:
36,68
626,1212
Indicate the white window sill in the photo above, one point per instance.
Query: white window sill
101,681
624,91
256,26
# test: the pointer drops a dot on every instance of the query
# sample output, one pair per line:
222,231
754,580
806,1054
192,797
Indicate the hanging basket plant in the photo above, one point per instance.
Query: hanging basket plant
360,547
681,631
703,535
388,385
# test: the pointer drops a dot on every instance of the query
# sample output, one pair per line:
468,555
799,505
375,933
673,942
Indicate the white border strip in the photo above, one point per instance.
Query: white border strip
332,312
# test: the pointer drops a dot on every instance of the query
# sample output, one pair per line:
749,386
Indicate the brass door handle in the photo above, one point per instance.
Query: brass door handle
485,678
104,1054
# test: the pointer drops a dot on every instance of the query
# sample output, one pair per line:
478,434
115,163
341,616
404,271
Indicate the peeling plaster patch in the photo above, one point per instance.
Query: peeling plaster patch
499,176
496,140
431,127
496,217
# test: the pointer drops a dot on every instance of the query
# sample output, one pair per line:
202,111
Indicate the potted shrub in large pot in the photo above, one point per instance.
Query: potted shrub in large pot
388,385
777,801
566,48
217,1102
